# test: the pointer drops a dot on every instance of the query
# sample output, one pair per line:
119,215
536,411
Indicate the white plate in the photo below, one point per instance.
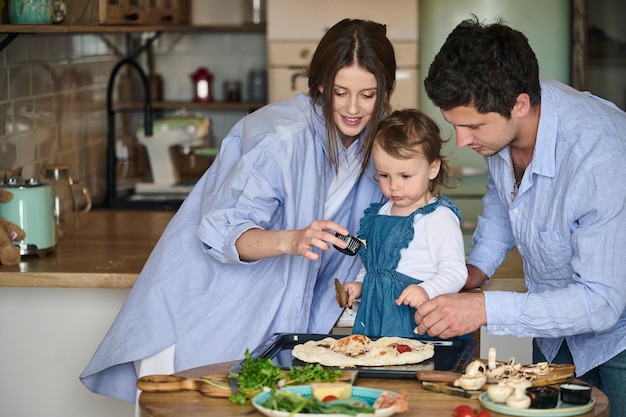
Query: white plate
369,395
561,410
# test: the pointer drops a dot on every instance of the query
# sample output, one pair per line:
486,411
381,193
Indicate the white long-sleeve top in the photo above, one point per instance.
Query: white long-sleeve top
436,255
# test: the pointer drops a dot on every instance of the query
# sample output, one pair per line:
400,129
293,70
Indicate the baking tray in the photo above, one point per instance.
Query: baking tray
450,355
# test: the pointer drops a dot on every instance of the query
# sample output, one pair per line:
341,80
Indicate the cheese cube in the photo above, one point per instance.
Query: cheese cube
321,390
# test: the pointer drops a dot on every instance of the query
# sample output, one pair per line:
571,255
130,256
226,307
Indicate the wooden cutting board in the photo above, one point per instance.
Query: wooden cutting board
443,381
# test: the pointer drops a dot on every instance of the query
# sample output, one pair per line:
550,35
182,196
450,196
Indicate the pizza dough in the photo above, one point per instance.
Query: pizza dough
360,350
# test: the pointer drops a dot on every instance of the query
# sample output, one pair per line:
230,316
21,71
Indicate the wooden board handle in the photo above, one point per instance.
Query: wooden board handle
438,376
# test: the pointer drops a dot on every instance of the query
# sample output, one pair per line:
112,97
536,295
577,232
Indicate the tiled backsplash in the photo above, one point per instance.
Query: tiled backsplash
52,107
53,93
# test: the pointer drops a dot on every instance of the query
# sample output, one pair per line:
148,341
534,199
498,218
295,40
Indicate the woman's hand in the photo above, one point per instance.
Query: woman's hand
413,295
319,234
353,289
255,244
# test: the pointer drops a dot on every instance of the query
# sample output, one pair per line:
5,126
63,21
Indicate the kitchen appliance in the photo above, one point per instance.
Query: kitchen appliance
170,138
295,28
32,209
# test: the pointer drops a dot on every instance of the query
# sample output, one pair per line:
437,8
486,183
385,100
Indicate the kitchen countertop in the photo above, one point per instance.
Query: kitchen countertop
109,248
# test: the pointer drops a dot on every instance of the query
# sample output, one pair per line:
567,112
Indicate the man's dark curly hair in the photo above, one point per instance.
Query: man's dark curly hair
483,65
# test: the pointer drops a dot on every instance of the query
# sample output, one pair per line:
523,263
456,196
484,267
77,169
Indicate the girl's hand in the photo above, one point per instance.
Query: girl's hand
413,296
353,289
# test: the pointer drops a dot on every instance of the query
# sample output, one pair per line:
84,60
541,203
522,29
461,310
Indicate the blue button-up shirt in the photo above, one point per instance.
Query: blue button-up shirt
568,222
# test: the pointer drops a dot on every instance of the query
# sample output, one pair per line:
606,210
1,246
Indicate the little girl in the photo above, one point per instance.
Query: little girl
413,243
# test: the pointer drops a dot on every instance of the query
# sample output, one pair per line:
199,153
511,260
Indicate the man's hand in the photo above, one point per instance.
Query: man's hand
450,315
475,277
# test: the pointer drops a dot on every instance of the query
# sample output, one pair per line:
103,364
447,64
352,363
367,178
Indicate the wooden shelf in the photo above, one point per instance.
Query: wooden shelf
193,105
77,29
608,62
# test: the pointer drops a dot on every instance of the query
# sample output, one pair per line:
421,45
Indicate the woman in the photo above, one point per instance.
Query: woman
248,253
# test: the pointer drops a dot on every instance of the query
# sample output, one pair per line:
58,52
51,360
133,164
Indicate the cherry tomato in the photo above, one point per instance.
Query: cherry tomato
329,398
484,413
403,348
463,411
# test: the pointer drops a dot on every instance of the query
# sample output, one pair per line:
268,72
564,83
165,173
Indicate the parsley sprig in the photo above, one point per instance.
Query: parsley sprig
257,373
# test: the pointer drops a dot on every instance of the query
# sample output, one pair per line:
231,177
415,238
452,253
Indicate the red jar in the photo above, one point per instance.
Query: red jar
202,85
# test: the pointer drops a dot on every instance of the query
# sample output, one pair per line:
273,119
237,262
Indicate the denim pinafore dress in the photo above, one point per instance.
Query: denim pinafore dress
385,236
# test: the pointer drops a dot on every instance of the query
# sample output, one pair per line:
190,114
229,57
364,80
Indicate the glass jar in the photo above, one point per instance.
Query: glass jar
71,197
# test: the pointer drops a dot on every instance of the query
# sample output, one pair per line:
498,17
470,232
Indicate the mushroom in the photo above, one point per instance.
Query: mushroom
494,370
474,377
518,400
500,392
518,383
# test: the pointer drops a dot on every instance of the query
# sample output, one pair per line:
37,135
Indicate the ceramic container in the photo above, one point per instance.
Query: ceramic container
578,394
31,11
543,397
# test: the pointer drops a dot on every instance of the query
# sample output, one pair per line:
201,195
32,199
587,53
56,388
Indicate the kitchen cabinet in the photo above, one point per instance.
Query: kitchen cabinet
295,28
123,11
126,12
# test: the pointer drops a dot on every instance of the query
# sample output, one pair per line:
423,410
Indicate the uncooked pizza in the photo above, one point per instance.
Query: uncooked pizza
360,350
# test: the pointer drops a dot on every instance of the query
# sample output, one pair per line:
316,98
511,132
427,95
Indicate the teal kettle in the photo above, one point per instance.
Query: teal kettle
32,209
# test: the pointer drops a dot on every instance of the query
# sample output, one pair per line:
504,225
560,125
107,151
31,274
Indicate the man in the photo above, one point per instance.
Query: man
557,191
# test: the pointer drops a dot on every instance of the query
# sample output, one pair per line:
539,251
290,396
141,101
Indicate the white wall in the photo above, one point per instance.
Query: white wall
47,336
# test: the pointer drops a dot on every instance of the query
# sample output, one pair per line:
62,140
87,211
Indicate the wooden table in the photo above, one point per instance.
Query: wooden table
421,402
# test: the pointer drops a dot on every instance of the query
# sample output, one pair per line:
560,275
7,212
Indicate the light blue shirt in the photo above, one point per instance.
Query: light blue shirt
272,172
568,222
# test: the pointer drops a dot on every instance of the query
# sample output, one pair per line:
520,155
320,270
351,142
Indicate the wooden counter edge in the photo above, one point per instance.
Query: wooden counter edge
67,280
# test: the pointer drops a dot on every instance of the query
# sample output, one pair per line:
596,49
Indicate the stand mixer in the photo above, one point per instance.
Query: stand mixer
168,134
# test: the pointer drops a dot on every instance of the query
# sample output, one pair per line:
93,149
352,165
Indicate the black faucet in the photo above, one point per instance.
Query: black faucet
147,121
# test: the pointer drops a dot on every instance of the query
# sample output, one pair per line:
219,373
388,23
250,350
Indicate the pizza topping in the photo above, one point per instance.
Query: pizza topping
403,348
353,345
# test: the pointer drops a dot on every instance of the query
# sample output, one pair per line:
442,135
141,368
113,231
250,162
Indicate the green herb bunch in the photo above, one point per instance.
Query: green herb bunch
255,374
